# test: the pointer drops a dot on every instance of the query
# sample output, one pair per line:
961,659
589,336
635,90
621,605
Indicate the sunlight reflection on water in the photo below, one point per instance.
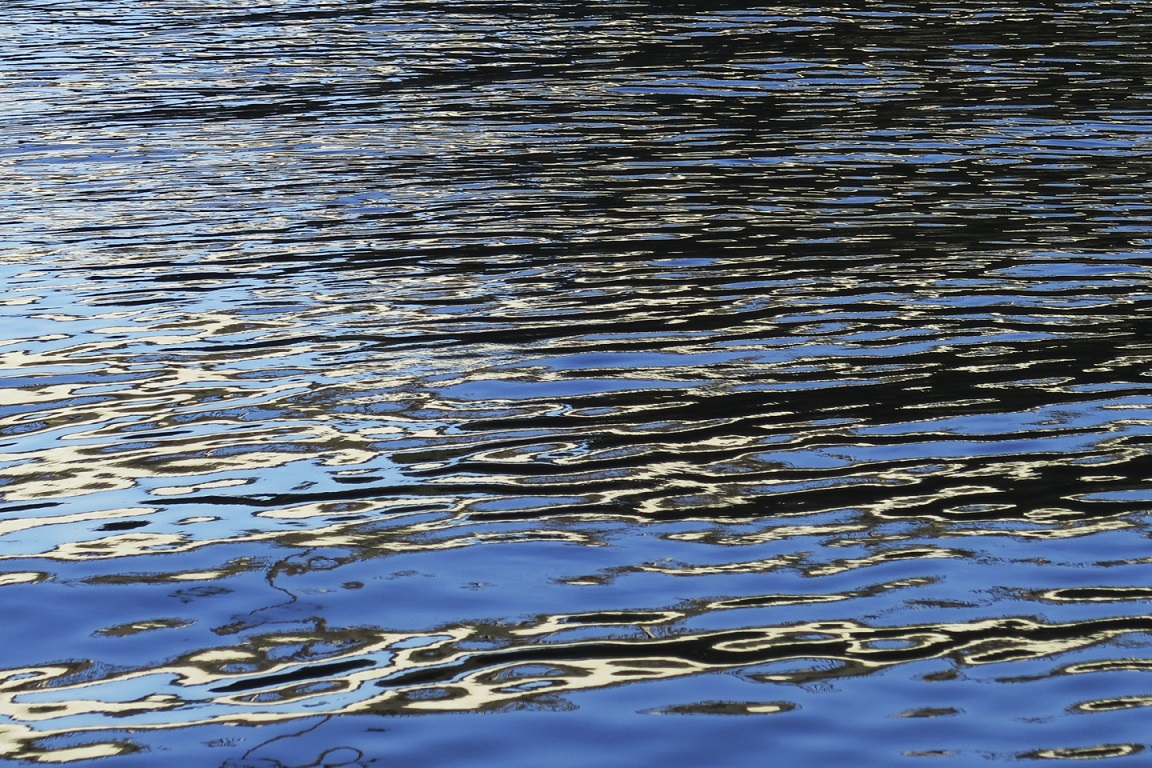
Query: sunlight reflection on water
646,379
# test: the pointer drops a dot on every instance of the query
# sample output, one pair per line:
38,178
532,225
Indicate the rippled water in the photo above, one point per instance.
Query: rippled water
674,383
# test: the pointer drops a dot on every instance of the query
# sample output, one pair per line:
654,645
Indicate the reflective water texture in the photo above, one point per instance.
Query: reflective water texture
575,383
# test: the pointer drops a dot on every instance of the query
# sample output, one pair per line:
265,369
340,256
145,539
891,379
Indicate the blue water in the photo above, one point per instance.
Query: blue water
602,383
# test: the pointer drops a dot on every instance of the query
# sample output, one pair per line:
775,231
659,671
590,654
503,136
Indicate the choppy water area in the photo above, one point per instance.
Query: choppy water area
575,383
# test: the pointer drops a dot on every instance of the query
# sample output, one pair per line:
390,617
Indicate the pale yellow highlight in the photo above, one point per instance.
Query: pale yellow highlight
73,754
21,524
22,577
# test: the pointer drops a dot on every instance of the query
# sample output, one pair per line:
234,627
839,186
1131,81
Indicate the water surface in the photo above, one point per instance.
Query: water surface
582,383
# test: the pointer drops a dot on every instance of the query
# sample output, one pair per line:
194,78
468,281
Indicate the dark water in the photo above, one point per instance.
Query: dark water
575,383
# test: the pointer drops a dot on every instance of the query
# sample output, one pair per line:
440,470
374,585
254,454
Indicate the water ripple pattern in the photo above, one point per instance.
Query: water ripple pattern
646,376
